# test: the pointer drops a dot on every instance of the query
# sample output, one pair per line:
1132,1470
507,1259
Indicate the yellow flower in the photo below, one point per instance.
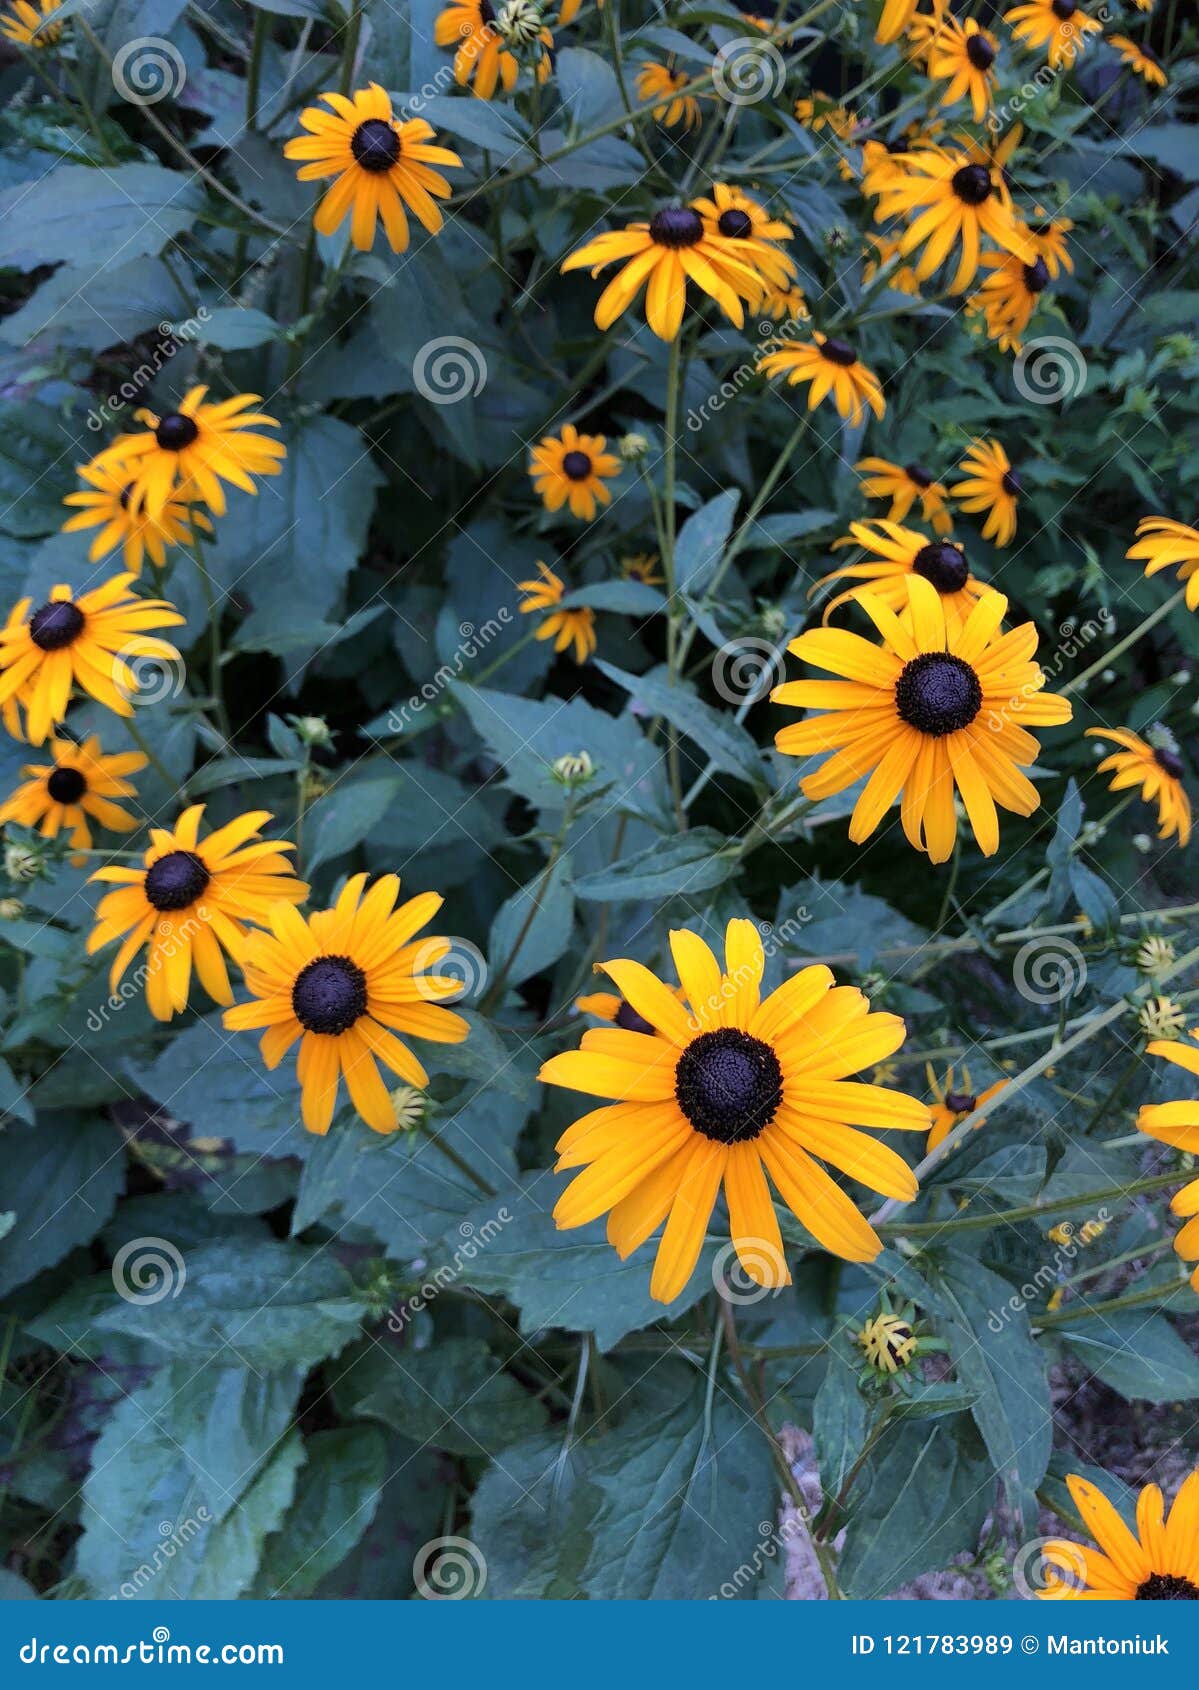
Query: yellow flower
1009,296
723,1095
668,87
663,255
189,452
1049,237
643,567
949,198
816,111
572,468
955,1100
1060,26
1140,59
888,1342
903,279
963,54
927,711
380,164
564,627
193,902
1157,770
1177,1124
26,25
1163,543
90,641
338,982
991,485
81,781
893,555
1159,1563
109,505
832,369
903,484
734,216
482,53
895,17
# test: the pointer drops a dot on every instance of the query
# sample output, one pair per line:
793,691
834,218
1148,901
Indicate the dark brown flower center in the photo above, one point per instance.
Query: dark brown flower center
736,224
979,51
1012,483
1036,276
728,1085
1167,1587
1170,761
838,352
938,694
329,995
66,786
1064,9
960,1102
628,1018
576,465
375,145
676,226
176,880
942,564
972,184
56,624
921,476
176,431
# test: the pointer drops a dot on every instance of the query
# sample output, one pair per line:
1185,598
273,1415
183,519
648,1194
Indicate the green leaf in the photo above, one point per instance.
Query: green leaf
344,816
96,308
336,1497
717,733
500,130
533,927
129,209
628,598
1144,1359
62,1178
454,1395
36,473
686,865
701,541
233,328
530,1517
216,1083
839,1421
237,1543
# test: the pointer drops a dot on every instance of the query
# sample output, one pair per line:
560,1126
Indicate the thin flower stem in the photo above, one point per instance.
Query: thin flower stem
1092,1311
1141,1252
214,626
674,377
1026,1211
151,756
1121,646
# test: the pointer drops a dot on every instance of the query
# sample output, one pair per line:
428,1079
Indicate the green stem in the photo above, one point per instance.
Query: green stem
1121,646
1027,1211
1092,1311
151,756
215,678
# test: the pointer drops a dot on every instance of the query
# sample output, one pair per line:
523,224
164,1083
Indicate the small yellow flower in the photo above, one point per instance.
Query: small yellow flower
643,567
888,1342
573,468
564,627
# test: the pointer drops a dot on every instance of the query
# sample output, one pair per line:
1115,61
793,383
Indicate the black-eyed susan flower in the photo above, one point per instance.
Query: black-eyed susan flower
954,1099
573,469
611,1007
1048,235
901,277
893,554
963,55
380,164
28,25
732,215
90,642
81,782
662,256
818,111
1159,1562
1008,297
484,58
991,485
888,1341
1163,543
543,594
1177,1124
1061,27
344,983
784,304
950,200
107,503
904,484
925,712
188,453
668,87
1157,770
831,368
1140,59
643,567
191,904
893,19
724,1091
